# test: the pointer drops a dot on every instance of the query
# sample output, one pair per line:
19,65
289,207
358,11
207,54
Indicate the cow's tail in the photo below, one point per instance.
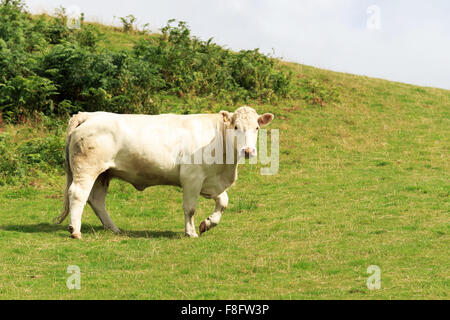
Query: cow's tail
74,122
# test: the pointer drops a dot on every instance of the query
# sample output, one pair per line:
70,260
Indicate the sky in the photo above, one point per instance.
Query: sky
399,40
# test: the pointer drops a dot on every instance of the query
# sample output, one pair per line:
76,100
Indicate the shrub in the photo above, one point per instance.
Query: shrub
45,152
9,161
256,73
19,96
109,81
49,69
89,36
22,159
191,66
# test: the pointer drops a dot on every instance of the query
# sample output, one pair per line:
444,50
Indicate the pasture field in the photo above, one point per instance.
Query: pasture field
363,181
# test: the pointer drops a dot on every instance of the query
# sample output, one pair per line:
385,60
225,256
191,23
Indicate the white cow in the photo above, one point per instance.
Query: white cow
156,150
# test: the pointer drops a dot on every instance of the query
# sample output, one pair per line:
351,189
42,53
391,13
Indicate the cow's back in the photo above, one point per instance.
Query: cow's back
141,149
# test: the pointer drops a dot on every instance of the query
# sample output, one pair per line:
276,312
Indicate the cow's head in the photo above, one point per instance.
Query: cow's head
242,129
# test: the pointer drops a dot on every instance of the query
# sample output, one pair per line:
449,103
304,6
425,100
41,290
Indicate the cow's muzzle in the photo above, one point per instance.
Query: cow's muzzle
248,152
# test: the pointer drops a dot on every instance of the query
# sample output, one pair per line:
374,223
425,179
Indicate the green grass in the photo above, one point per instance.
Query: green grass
362,181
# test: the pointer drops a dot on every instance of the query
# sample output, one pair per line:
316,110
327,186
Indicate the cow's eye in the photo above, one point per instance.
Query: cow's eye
235,128
257,128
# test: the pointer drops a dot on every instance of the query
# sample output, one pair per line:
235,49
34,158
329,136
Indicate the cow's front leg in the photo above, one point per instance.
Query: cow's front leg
214,219
190,198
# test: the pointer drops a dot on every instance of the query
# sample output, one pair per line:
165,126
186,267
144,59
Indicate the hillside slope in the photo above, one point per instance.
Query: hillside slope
363,180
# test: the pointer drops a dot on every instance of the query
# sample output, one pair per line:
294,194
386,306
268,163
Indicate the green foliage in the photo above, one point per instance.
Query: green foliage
191,66
18,93
48,68
108,81
14,24
22,159
9,161
89,36
256,73
48,151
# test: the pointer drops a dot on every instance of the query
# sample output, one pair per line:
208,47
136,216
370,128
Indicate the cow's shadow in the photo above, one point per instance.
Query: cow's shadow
89,229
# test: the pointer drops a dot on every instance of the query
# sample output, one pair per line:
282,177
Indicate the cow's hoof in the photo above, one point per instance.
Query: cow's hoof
114,230
202,227
70,229
193,235
76,236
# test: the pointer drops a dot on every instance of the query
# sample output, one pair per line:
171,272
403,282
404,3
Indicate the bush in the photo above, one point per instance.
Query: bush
256,73
18,94
9,161
45,152
188,65
89,36
47,68
23,159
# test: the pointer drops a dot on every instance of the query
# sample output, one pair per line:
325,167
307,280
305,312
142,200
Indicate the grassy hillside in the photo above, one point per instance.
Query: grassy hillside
363,180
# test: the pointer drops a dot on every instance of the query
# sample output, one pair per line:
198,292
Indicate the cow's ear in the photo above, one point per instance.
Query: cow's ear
227,116
265,119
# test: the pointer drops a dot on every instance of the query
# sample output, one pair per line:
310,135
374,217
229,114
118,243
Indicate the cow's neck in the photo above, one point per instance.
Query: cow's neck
229,171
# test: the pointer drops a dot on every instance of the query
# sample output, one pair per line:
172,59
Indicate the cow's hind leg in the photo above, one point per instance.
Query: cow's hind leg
78,194
214,219
97,201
